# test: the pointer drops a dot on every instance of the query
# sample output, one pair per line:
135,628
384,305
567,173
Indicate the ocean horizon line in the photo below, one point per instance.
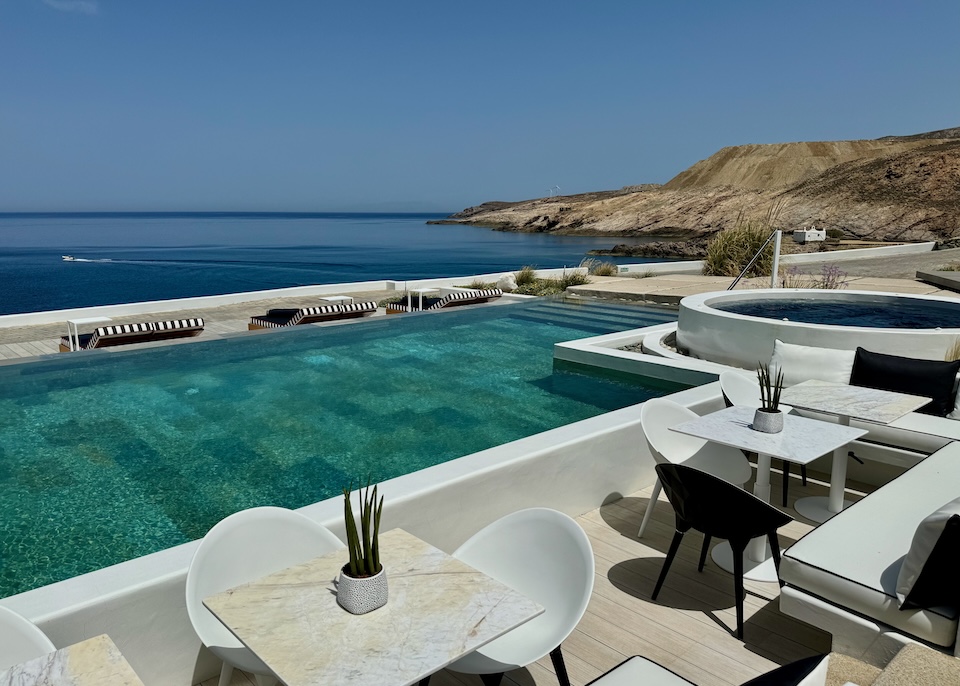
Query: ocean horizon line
219,213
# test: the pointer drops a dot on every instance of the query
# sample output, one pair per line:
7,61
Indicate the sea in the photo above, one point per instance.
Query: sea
131,257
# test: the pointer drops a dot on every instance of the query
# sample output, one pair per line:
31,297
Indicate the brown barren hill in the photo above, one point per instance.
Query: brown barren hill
893,189
781,165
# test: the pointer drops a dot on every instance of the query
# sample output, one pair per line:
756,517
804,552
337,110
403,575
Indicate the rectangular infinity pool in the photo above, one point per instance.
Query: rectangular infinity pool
109,456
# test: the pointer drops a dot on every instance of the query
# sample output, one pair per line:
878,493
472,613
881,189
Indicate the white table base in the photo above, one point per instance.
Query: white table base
818,508
757,560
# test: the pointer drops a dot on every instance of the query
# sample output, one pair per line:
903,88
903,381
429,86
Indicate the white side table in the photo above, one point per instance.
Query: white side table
73,334
846,402
338,299
802,441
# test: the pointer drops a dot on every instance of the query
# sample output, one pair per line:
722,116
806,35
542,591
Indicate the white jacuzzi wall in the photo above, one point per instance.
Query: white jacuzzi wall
574,468
741,341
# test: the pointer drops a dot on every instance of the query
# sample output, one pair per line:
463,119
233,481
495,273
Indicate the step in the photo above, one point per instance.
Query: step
567,322
620,321
616,306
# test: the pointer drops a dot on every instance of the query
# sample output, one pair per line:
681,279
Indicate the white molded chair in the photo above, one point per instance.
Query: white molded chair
545,555
20,640
666,446
742,391
240,548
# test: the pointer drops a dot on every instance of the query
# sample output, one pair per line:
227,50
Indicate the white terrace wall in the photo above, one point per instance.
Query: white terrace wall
320,290
574,468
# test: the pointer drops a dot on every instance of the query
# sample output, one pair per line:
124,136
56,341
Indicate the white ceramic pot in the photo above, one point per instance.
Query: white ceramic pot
366,594
768,422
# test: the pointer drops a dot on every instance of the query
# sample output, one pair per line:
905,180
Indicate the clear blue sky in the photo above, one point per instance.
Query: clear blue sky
314,105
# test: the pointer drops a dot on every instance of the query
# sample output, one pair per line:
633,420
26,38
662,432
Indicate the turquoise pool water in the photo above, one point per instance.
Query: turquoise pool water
109,456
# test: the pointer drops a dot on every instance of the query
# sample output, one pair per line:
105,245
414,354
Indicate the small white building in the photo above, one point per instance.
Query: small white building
809,235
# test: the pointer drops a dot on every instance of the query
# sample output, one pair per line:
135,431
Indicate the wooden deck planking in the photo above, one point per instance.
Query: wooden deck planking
689,628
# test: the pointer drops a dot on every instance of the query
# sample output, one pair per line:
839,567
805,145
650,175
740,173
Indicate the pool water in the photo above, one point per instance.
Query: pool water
888,313
109,456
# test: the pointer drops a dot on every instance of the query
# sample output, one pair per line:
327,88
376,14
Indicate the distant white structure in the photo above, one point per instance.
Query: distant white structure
809,235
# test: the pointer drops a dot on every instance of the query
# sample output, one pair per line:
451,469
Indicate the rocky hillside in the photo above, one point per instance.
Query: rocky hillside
903,188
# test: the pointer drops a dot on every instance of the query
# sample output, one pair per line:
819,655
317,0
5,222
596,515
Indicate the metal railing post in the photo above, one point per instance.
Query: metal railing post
776,260
775,271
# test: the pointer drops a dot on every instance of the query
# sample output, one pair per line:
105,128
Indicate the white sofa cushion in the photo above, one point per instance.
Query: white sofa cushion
801,363
915,564
853,560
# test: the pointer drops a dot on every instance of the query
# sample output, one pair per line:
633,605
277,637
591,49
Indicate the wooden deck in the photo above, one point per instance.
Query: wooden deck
688,628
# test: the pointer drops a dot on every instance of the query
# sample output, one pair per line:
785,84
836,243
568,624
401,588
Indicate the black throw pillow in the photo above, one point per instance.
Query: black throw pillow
937,583
927,378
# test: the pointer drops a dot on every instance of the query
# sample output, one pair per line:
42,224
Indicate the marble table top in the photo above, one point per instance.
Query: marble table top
439,610
858,402
94,662
802,440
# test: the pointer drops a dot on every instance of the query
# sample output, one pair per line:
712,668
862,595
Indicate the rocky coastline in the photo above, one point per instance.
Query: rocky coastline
895,189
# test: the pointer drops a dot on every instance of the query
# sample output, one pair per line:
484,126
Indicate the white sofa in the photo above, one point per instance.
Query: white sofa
842,576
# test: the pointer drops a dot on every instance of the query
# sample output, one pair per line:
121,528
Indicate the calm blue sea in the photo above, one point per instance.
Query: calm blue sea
127,257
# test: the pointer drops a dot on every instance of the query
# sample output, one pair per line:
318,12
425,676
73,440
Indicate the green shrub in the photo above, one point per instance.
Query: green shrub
392,299
598,268
543,287
949,267
572,279
646,274
953,352
526,276
729,251
478,285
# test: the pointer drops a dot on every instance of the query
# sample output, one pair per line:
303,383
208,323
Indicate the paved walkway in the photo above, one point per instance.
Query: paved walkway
672,288
44,339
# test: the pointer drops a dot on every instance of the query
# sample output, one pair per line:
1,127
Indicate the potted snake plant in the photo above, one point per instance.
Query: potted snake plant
362,585
769,418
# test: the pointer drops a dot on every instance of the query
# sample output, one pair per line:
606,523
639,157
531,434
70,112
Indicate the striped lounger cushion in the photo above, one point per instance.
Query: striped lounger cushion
484,294
175,324
272,323
400,306
369,306
320,310
118,331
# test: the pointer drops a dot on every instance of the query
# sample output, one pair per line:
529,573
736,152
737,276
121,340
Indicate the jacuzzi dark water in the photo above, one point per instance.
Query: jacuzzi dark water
887,313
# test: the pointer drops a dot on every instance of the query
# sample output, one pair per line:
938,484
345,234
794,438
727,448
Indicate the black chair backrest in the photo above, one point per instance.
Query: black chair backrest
716,507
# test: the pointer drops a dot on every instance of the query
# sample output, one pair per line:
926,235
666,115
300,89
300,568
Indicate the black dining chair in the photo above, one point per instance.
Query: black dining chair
718,509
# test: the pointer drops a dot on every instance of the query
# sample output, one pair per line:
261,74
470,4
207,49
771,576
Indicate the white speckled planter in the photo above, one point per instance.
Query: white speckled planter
768,422
360,596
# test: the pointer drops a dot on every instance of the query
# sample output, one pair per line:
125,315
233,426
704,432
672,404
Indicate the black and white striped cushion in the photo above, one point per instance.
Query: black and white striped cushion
484,294
360,307
267,324
179,324
118,330
313,312
399,306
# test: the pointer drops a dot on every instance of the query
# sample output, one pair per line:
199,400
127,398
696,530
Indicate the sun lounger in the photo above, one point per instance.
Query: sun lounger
453,299
122,334
279,318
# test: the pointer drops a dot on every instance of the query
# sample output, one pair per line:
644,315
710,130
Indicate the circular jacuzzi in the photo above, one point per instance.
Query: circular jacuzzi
739,327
